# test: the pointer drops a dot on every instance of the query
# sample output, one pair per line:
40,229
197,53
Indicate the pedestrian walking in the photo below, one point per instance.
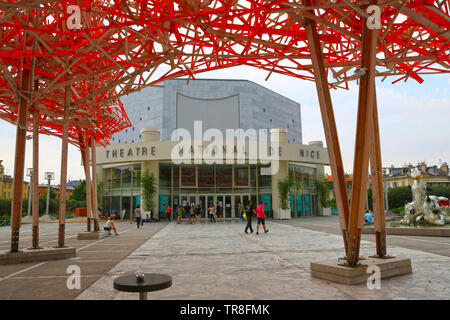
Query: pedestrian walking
138,215
168,212
191,213
219,212
240,211
261,218
186,210
179,214
249,212
198,214
212,213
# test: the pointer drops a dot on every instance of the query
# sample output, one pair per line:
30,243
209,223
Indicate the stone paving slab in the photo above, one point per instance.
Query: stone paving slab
219,261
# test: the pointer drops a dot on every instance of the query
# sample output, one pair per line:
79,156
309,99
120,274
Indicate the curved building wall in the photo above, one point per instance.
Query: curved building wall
222,104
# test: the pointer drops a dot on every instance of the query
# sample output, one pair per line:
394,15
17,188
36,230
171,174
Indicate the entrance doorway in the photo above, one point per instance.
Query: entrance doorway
228,203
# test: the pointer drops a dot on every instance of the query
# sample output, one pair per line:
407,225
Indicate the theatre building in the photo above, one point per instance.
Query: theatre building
196,168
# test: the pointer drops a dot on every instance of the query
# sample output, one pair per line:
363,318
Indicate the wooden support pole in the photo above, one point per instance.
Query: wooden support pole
366,101
329,125
19,162
94,186
35,195
83,159
87,172
63,178
376,173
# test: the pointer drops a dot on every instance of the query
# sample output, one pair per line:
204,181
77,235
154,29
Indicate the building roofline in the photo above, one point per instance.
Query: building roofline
216,79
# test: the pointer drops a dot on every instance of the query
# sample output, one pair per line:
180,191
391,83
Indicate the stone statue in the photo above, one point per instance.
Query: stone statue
425,209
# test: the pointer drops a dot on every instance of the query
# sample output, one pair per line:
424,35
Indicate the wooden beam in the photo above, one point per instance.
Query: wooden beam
422,20
19,162
361,159
35,188
87,173
63,177
376,173
329,125
94,186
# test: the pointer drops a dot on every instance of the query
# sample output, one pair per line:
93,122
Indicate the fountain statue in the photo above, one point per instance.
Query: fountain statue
425,209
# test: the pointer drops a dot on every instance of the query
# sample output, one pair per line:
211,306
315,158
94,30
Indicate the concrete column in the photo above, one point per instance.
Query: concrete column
279,136
150,134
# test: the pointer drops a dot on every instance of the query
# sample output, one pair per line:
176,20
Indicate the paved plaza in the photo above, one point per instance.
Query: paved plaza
218,261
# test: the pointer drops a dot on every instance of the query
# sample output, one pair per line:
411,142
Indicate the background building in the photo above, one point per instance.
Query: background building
401,176
223,104
6,185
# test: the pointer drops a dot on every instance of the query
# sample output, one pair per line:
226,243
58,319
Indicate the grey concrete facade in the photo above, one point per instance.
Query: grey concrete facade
259,107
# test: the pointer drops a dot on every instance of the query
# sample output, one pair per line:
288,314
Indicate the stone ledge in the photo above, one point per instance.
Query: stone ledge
92,235
429,232
334,271
36,255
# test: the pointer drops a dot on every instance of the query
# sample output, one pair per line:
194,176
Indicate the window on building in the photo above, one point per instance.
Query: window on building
176,176
126,178
264,180
241,176
224,176
116,178
165,175
188,176
205,176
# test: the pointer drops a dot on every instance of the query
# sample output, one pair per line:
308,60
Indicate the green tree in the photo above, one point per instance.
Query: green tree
5,208
100,191
440,190
398,196
148,186
79,192
284,188
322,190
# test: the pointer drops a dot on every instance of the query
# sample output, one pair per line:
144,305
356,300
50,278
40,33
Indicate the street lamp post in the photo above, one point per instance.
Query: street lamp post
386,200
49,176
30,174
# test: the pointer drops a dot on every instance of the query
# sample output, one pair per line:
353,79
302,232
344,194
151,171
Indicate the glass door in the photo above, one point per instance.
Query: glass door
237,199
219,201
228,210
193,200
203,205
126,204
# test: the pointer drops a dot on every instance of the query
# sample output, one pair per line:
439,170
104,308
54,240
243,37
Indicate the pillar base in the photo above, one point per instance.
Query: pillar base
92,235
336,271
36,255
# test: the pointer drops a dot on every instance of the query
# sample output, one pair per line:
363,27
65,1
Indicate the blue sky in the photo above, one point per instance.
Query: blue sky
414,121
